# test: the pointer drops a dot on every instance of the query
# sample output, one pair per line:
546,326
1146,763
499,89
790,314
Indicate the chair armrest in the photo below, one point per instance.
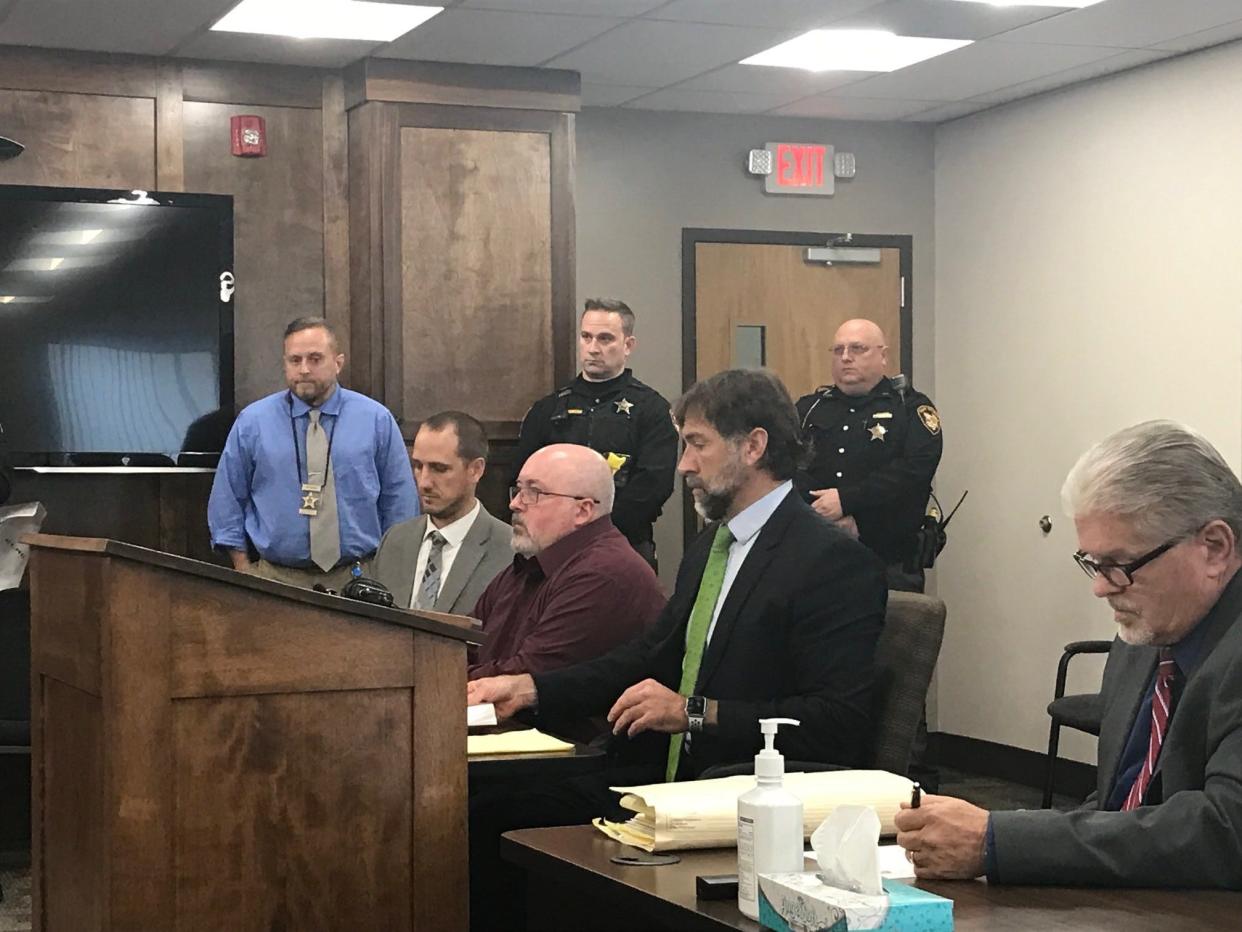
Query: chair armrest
1073,649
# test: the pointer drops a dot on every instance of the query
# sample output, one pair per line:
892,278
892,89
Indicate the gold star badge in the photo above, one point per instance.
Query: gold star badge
623,406
616,461
878,431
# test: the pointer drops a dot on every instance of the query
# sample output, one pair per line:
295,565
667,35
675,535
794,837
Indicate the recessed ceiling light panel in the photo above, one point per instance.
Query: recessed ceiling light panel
1063,4
853,50
326,19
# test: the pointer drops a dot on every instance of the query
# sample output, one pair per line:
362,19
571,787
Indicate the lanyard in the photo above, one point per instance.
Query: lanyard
297,452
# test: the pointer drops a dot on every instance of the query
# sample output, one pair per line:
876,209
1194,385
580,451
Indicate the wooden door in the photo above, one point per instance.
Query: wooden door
764,303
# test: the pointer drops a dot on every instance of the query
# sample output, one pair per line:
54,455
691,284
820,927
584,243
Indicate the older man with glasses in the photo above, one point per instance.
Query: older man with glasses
576,588
1159,517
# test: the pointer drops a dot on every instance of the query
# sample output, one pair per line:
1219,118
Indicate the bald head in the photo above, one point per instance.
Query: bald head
859,356
583,491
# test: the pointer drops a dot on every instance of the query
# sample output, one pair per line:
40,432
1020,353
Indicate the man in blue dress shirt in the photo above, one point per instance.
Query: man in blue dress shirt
269,502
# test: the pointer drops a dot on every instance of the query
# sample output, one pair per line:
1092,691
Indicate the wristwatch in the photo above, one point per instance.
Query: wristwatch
696,708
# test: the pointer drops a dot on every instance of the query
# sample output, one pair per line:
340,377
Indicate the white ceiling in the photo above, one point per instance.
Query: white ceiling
682,54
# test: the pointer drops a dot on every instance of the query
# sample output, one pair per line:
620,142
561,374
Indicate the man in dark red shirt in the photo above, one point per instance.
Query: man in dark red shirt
576,588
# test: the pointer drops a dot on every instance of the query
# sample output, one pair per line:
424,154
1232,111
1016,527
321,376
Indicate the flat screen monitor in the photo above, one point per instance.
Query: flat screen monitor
116,319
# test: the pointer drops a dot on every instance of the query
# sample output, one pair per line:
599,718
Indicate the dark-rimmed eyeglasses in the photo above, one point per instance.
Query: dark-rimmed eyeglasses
529,496
1121,574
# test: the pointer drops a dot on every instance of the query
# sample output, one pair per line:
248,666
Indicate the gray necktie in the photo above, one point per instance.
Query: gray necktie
325,530
430,588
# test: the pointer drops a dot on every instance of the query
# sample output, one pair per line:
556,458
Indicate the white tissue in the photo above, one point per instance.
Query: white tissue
845,846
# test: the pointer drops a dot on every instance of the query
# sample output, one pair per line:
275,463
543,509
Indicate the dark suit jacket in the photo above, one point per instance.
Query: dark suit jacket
485,551
1191,839
796,637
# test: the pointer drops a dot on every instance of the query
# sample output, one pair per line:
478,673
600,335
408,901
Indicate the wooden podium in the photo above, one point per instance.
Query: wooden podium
215,751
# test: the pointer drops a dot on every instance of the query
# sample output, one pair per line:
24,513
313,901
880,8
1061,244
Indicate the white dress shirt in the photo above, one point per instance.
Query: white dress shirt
745,527
453,534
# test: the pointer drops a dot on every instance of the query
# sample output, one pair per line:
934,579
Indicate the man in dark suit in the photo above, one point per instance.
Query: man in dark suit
1159,517
775,613
443,560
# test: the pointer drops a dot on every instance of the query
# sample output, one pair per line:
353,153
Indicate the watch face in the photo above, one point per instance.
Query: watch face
696,705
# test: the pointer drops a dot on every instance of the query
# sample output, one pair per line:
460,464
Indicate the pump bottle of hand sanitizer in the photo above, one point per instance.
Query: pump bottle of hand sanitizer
769,823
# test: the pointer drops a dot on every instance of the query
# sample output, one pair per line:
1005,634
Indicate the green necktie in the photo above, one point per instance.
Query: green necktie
696,630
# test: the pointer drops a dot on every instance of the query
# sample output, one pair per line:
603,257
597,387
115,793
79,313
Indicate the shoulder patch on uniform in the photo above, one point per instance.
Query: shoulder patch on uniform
930,418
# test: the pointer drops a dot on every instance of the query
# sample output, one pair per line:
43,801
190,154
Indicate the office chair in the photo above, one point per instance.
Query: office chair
1081,711
905,658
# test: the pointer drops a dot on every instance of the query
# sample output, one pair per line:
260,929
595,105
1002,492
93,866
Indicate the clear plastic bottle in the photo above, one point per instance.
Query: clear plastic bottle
769,823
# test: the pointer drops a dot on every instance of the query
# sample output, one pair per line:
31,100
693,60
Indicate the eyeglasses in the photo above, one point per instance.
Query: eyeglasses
854,349
1121,574
529,496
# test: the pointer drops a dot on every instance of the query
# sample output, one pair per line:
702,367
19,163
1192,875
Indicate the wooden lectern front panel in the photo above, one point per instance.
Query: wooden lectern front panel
293,811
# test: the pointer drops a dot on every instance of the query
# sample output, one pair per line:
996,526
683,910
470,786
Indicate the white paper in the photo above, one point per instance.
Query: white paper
846,846
477,716
894,865
16,521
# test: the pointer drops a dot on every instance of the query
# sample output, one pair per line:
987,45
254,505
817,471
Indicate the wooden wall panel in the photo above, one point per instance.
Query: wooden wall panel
278,227
308,776
79,140
476,260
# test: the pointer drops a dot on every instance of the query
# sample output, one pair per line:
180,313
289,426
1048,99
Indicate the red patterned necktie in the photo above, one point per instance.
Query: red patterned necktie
1160,701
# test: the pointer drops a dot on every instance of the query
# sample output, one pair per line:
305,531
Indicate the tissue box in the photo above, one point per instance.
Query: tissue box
803,903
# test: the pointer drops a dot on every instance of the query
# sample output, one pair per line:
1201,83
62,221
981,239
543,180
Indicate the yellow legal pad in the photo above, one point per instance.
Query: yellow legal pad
529,741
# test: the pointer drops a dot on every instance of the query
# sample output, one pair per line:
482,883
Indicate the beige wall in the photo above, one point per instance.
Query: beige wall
1087,277
643,176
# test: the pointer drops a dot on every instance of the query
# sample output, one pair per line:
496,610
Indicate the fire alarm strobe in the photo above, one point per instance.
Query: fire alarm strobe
249,136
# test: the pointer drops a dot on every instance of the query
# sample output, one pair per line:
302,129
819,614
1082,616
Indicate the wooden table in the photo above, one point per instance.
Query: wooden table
546,765
573,885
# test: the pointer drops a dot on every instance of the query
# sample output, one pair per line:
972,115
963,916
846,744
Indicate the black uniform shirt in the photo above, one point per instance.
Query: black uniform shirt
626,422
879,451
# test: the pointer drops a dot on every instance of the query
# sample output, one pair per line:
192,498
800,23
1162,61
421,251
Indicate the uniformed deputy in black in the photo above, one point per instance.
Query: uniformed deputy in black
879,451
626,422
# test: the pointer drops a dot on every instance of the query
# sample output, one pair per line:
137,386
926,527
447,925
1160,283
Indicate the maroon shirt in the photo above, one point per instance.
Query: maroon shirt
578,599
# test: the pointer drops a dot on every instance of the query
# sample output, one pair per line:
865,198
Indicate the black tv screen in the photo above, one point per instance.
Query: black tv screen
116,318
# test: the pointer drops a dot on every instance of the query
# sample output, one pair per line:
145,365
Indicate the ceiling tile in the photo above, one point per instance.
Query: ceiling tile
1114,63
946,112
617,8
944,19
707,101
659,53
610,95
1203,39
1129,23
147,27
973,70
796,15
854,108
755,79
279,50
496,37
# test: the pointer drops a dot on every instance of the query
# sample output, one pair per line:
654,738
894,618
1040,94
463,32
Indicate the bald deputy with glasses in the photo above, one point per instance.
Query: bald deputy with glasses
875,445
576,588
1159,516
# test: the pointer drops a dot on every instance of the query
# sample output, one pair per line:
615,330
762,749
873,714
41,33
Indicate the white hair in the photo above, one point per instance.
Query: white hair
1164,477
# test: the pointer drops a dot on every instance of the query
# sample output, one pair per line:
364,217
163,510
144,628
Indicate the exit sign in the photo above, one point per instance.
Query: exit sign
799,168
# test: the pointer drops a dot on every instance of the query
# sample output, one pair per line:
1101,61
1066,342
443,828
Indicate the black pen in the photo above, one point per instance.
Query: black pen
916,796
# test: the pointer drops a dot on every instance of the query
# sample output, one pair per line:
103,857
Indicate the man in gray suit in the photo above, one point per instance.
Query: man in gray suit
443,560
1159,518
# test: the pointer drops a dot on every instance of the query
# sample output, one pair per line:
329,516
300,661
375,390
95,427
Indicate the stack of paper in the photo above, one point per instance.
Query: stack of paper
703,813
528,741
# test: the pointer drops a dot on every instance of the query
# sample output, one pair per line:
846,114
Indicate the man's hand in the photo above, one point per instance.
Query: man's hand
848,525
943,838
649,706
241,560
828,503
510,694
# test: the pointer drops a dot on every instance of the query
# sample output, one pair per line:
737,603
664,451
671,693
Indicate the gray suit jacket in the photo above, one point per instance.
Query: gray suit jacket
485,551
1191,839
